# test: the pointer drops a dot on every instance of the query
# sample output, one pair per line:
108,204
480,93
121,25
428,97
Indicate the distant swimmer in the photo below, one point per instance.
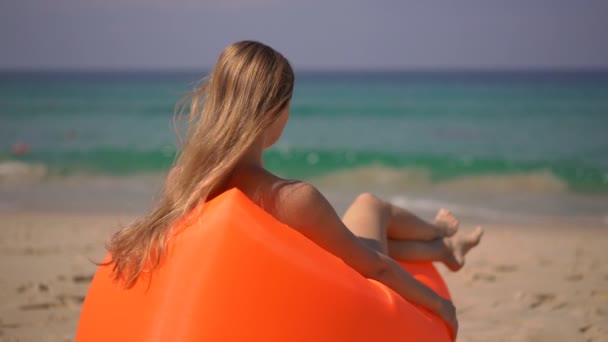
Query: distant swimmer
20,149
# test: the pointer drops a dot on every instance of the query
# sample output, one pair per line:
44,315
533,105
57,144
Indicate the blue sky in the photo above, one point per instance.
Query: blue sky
314,34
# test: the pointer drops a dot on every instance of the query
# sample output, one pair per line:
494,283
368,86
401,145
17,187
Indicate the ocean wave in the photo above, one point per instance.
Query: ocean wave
412,178
542,181
445,171
377,177
432,205
346,167
21,172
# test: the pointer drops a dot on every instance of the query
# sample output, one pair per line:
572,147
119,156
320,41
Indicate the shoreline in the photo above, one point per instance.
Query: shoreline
134,194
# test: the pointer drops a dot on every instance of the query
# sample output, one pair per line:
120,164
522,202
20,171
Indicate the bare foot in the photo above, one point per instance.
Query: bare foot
446,222
458,246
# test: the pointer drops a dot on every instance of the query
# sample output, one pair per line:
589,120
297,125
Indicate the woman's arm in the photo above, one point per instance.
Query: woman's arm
304,208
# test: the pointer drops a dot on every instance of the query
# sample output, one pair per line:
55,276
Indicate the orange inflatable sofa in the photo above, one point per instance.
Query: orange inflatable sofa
234,273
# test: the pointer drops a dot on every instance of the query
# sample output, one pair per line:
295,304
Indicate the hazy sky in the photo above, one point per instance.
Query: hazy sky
345,34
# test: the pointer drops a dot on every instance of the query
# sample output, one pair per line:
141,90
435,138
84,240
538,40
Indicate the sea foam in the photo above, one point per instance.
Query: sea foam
21,172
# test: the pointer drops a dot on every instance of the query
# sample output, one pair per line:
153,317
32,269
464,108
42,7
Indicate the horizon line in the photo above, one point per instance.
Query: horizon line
531,69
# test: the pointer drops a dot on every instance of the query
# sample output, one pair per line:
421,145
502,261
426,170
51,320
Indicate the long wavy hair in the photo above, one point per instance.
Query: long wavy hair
248,88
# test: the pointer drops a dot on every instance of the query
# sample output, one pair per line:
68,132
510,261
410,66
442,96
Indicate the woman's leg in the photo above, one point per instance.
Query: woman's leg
372,219
368,218
404,225
376,221
448,250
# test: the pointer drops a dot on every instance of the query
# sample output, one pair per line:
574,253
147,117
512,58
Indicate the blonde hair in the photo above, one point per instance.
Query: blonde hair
244,93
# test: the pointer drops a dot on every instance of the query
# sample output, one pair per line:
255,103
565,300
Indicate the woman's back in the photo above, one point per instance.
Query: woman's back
272,193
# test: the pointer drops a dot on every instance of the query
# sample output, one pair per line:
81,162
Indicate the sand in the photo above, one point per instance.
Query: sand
540,281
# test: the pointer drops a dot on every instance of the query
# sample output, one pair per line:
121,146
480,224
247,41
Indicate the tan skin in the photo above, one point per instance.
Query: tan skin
370,230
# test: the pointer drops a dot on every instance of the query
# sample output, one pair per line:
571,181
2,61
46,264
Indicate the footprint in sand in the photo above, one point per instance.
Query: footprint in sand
70,300
505,268
38,306
560,305
487,277
63,300
9,325
28,287
584,328
574,277
536,300
540,299
24,287
544,262
82,278
599,294
40,251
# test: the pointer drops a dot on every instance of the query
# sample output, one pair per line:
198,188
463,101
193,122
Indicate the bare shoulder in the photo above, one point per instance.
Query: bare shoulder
300,194
300,205
296,203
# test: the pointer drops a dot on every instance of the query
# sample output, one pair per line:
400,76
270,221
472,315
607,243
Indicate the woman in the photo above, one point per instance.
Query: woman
241,110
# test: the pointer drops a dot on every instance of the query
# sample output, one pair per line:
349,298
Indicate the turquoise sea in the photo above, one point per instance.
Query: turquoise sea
486,144
439,126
